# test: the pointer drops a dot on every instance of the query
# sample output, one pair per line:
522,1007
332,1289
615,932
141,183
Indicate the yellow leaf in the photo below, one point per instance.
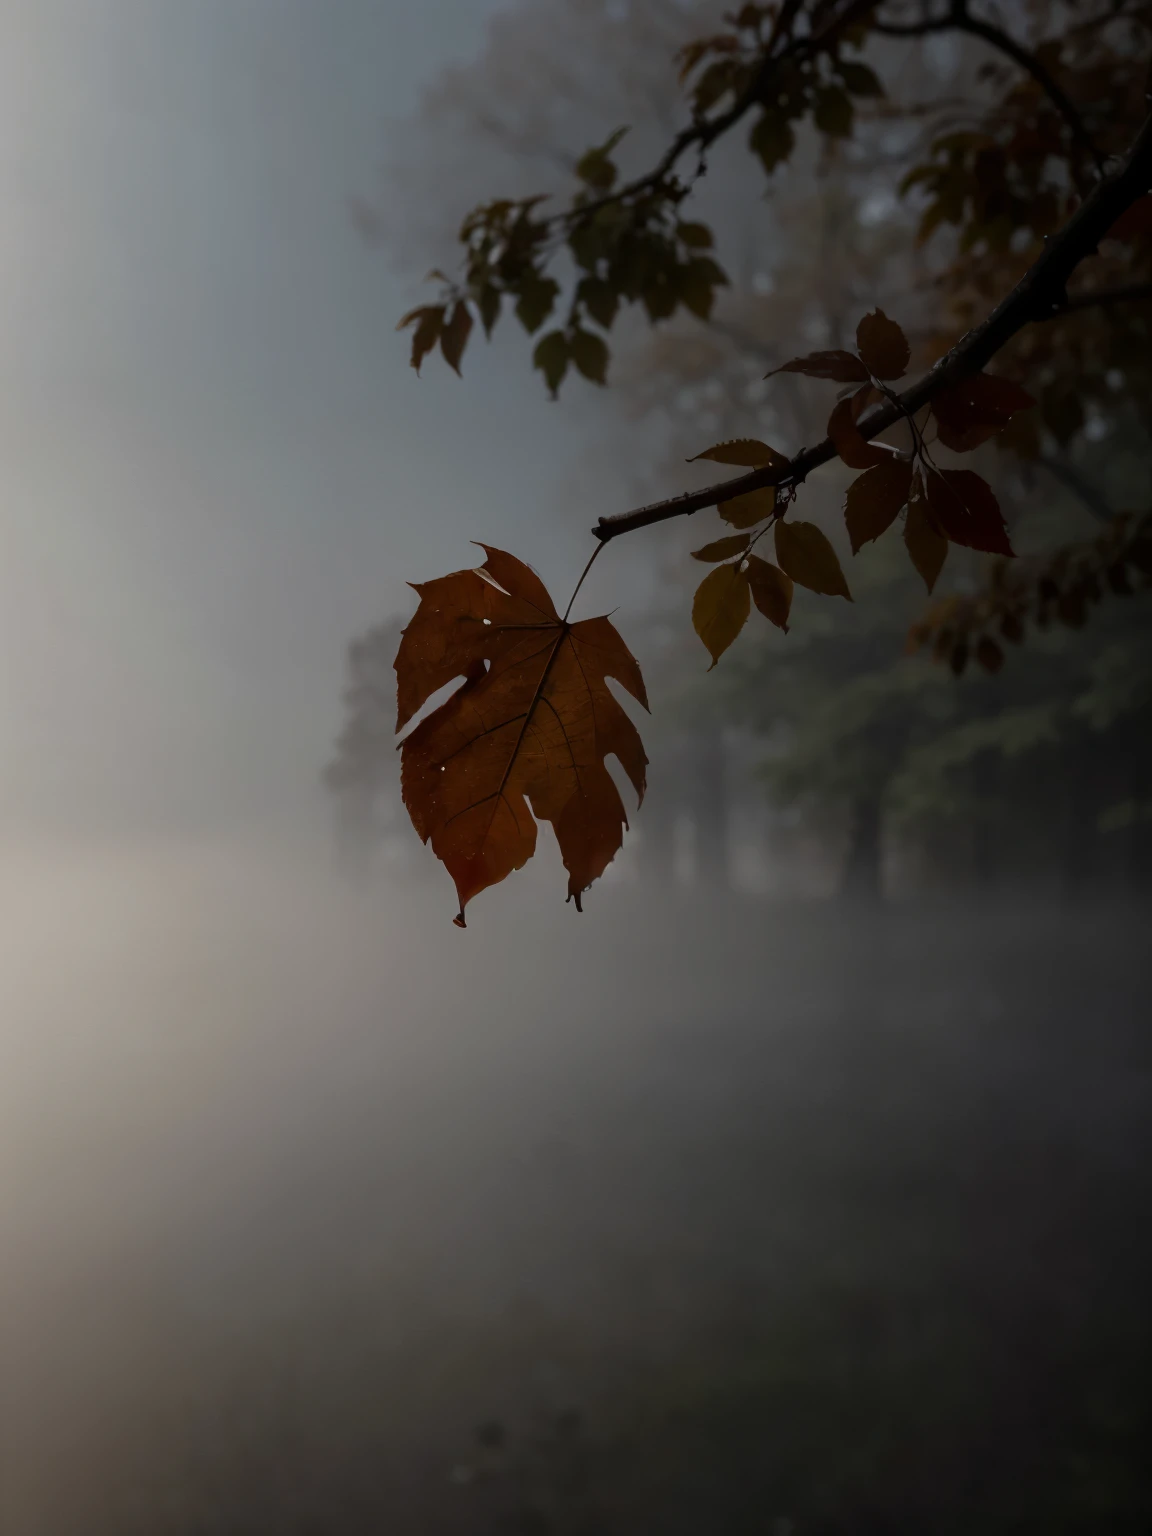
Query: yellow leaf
806,555
745,451
720,608
771,590
752,507
722,549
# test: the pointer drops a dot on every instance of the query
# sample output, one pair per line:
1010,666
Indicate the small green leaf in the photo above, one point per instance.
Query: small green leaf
600,299
833,113
696,236
489,307
772,139
590,354
696,283
858,78
536,298
552,357
594,168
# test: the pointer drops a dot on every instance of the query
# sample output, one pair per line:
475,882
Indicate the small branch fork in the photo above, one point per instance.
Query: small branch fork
703,132
1039,295
958,19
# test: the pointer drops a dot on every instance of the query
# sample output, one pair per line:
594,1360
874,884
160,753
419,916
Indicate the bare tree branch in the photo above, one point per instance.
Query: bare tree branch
703,132
1039,295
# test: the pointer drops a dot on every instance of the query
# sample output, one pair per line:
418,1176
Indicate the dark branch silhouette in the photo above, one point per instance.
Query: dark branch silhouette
1039,295
958,19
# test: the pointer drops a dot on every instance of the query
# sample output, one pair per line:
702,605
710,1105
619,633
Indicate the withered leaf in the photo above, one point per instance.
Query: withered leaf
429,321
875,498
747,452
771,590
883,346
805,554
524,736
454,336
977,408
964,506
926,544
853,448
843,367
720,608
722,549
753,507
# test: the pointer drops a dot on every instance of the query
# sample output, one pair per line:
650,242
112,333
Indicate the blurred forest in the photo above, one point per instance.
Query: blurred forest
957,1343
799,1186
825,760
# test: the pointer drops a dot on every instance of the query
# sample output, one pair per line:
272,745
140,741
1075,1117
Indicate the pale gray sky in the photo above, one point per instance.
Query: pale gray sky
215,463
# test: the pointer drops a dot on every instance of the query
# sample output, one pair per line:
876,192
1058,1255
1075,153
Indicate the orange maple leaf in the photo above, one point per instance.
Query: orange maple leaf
524,737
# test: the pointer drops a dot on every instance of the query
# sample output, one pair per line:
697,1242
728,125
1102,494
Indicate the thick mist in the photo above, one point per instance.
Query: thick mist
299,1184
217,463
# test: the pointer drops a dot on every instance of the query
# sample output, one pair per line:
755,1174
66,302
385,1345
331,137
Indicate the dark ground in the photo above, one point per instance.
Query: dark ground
825,1223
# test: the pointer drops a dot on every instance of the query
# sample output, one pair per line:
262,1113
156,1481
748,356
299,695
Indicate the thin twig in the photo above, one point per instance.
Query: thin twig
703,132
958,19
580,583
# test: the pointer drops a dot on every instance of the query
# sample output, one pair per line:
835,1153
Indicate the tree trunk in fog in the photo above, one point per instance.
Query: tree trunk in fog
862,878
657,852
710,811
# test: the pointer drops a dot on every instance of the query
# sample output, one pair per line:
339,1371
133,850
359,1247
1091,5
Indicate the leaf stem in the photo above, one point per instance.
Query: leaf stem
580,583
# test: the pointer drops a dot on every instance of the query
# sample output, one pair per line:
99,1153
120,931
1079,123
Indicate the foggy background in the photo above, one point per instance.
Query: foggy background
823,1217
